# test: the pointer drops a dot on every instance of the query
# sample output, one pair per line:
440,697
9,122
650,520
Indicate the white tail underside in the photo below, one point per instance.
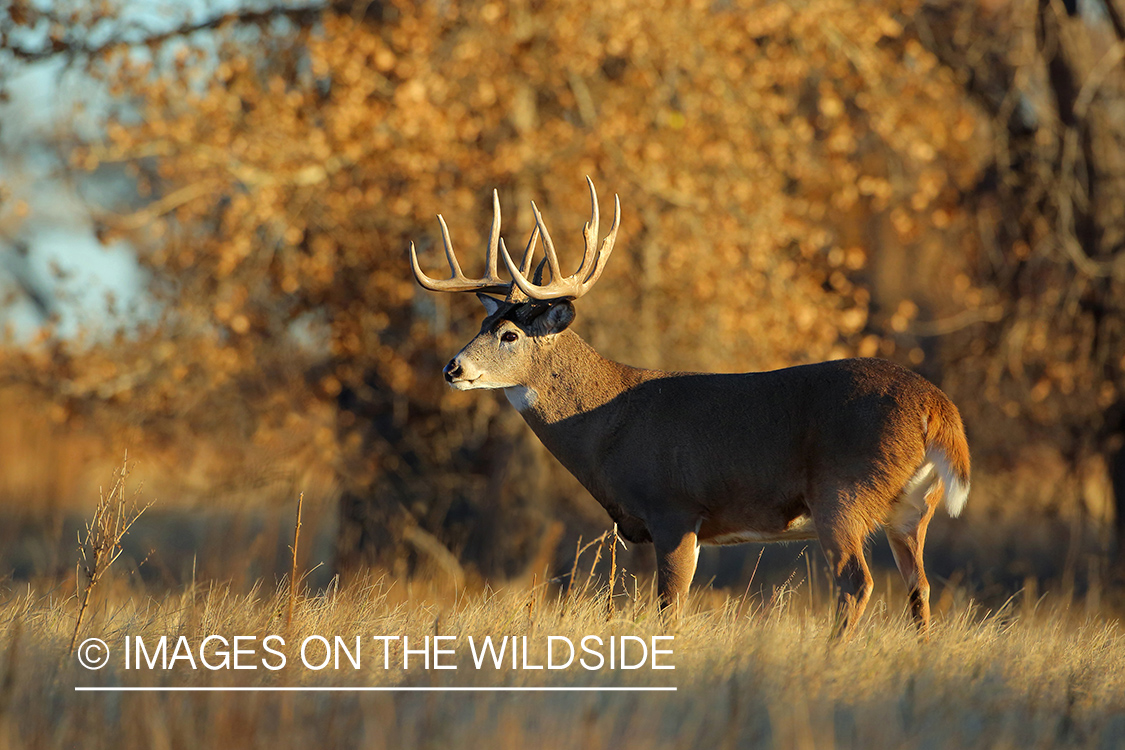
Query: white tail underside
956,491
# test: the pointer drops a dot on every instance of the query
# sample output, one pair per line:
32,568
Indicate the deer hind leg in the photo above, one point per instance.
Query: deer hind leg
677,551
841,537
906,532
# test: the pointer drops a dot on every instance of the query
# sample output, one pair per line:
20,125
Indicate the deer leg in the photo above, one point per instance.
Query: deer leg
842,542
677,550
906,533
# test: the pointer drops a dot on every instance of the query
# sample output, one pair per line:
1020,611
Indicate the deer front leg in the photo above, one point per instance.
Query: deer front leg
677,550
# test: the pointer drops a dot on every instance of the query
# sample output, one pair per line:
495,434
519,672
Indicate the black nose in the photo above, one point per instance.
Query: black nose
452,370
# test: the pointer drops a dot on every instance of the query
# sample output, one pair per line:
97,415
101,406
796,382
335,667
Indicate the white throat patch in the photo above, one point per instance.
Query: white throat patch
521,397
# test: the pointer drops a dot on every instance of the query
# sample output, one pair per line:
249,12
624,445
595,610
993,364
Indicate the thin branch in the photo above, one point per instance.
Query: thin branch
302,15
156,209
1112,57
293,569
1115,19
101,547
963,319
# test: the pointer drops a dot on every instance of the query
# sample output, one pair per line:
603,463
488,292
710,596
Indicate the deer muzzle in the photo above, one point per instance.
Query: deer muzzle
453,371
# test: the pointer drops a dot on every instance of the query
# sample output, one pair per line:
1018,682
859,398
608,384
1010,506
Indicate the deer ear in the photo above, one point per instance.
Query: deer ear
555,318
491,304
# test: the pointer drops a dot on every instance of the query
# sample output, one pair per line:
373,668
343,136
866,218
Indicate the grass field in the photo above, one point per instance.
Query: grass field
752,668
748,672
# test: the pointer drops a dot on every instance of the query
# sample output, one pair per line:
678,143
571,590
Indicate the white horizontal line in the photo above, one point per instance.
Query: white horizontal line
365,689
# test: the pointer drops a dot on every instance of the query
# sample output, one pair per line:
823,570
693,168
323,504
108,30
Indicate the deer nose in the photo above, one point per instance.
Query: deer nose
452,370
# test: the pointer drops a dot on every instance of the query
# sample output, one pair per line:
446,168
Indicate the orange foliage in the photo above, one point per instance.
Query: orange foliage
751,146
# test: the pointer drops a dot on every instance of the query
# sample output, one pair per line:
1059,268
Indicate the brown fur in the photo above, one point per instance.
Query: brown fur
831,450
680,459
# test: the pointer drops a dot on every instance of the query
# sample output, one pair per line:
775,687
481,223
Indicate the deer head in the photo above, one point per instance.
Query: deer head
519,329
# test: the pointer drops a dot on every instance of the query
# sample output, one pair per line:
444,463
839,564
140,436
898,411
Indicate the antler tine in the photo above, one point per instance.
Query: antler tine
606,246
449,254
515,295
575,286
489,284
528,253
434,285
589,233
537,277
493,239
548,245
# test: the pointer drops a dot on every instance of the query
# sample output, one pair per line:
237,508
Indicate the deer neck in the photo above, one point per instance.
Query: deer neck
568,401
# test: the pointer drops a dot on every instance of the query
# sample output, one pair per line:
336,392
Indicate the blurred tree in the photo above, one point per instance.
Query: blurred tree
279,179
1051,212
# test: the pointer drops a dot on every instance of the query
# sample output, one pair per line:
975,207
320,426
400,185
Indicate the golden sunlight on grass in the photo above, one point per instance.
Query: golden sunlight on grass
747,672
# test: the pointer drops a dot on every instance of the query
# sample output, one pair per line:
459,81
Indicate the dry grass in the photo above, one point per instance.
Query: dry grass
754,670
748,672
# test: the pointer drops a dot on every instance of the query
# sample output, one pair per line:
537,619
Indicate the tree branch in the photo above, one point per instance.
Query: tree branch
303,15
1116,19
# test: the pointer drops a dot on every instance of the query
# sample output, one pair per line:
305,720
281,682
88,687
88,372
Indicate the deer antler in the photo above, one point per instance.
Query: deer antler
520,289
490,283
593,262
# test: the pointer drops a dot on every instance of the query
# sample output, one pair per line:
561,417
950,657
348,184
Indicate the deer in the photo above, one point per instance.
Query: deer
828,451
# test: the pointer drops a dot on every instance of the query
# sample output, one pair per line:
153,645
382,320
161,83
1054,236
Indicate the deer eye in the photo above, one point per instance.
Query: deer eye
509,336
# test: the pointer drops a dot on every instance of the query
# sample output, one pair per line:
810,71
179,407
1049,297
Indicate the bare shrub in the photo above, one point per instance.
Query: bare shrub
100,547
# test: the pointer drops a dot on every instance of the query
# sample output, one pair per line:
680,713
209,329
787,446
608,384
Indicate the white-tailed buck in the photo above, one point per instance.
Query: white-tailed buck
828,451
